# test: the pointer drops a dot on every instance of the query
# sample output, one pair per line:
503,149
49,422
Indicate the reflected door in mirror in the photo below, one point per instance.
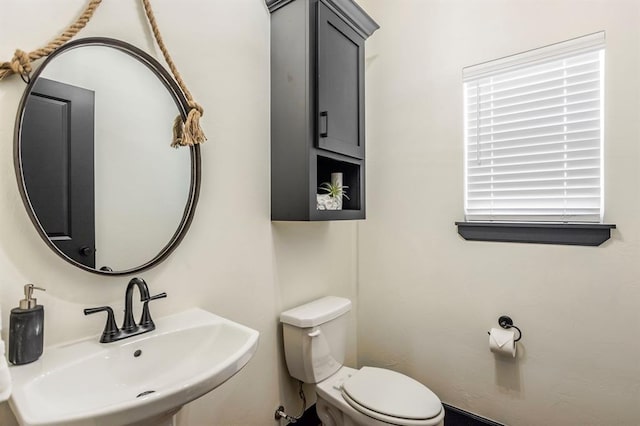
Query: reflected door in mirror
58,158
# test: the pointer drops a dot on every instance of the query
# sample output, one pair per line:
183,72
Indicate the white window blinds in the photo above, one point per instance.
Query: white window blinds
534,134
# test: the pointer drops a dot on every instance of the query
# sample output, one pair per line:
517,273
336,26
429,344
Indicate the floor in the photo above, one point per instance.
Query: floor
310,418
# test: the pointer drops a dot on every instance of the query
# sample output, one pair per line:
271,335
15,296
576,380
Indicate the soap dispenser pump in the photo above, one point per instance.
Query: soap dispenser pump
26,329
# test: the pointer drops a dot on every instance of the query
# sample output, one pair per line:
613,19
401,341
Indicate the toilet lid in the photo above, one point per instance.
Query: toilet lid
391,394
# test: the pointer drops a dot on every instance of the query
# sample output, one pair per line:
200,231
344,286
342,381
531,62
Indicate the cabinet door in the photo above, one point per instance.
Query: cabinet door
340,121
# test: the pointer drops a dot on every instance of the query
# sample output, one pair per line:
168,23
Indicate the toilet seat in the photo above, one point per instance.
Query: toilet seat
391,397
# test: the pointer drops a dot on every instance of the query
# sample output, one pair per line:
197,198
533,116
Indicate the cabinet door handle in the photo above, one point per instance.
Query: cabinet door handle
325,115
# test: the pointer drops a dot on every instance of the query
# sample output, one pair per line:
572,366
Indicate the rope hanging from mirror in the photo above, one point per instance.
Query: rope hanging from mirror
188,132
21,61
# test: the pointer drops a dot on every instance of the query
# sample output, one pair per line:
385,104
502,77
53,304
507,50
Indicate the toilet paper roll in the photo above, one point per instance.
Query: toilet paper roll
502,341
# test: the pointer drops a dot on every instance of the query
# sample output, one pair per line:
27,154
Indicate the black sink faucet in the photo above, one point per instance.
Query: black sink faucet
129,328
129,324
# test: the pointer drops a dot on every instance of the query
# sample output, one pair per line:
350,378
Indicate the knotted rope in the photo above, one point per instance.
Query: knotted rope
21,62
190,132
187,133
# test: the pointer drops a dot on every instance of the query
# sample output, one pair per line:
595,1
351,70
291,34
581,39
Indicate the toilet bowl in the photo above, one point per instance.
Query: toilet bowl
384,402
315,346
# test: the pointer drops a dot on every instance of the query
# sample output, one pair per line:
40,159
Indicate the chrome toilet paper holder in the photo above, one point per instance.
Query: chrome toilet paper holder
507,323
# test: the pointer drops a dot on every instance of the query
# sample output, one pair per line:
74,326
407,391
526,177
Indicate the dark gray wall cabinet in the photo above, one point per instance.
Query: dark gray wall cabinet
317,105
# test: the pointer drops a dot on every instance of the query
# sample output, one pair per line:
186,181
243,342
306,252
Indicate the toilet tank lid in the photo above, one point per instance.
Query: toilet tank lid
317,312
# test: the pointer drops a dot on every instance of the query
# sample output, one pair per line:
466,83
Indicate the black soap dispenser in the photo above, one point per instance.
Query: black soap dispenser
26,329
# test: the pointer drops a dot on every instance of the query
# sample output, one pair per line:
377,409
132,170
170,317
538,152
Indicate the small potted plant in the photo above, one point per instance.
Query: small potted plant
335,191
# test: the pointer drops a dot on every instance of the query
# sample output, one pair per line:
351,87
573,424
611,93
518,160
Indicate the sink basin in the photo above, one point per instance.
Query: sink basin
132,380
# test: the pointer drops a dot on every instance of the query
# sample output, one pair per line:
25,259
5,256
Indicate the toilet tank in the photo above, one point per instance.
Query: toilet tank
315,338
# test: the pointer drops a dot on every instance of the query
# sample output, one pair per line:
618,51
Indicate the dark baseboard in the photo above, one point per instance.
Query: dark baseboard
455,416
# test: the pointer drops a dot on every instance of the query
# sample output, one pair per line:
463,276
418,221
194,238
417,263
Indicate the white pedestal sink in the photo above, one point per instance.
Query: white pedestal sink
139,379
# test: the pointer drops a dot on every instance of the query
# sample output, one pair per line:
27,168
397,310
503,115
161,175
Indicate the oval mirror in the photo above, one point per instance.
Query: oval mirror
93,160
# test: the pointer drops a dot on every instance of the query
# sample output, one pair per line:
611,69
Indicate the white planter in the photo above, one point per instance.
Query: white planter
327,202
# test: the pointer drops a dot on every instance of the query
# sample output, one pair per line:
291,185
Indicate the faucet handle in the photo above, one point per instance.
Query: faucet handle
157,296
145,320
111,328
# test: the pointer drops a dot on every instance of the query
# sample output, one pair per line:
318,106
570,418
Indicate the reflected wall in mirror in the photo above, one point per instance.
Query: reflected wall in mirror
93,158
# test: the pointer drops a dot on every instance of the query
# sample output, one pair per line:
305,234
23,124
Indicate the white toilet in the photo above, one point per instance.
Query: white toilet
315,337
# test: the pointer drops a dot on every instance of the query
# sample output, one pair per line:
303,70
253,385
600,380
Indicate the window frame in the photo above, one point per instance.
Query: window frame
587,233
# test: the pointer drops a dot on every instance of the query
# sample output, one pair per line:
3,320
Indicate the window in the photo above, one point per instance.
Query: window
533,131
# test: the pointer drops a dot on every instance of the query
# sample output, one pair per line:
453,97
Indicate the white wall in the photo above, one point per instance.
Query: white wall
234,261
427,297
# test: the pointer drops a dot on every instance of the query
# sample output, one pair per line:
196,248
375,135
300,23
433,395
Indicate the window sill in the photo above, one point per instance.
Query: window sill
579,234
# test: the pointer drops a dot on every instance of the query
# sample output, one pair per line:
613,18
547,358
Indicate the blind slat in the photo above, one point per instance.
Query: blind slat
492,113
530,155
496,122
551,68
534,198
524,164
525,172
551,189
591,143
523,181
535,93
472,106
538,128
543,135
558,81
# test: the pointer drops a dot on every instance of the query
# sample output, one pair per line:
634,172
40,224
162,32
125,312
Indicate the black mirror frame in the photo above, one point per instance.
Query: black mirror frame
181,102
